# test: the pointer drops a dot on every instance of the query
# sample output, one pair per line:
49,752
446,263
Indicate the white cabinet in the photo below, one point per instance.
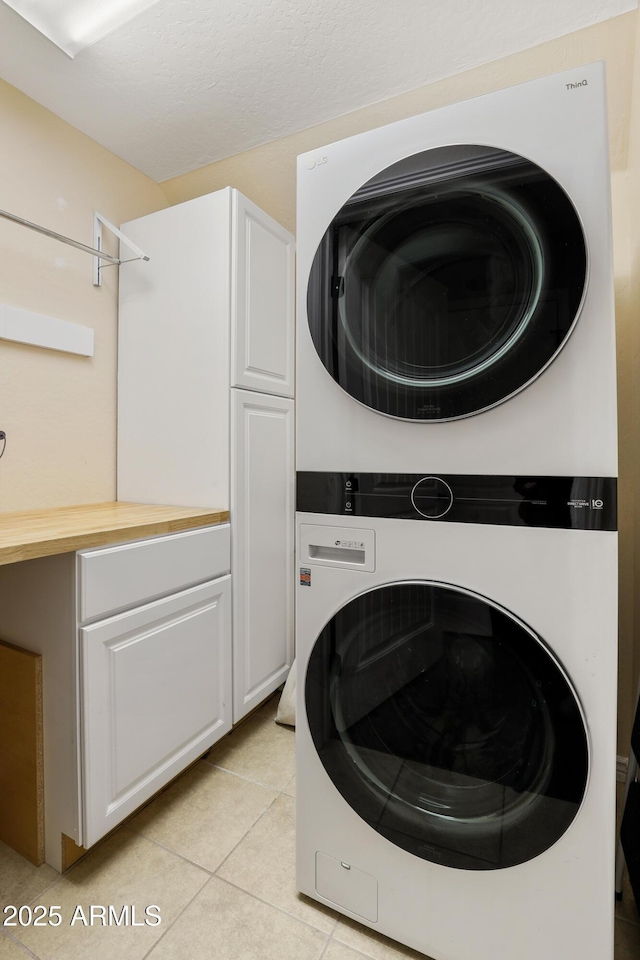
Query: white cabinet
155,677
211,311
262,320
137,670
156,685
205,415
173,357
262,471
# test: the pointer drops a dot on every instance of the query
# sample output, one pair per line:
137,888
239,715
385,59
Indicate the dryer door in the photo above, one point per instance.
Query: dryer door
447,725
447,283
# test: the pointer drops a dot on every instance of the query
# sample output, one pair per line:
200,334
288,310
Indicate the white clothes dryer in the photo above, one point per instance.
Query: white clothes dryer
455,289
456,716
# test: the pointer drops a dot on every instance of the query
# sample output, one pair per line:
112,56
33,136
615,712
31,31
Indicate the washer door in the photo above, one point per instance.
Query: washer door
447,725
447,283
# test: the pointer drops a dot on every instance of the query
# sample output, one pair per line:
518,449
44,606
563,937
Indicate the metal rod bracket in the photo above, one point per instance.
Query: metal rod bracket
98,222
96,252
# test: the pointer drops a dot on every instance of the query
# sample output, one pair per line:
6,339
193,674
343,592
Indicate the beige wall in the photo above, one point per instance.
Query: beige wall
59,410
267,175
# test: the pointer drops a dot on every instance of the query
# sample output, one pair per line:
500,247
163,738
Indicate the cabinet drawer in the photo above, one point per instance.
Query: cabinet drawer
114,578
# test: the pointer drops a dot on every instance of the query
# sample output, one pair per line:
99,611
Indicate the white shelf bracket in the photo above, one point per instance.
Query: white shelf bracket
98,222
96,252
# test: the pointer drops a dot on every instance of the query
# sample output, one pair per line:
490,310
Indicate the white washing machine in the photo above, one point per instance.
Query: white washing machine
456,715
455,294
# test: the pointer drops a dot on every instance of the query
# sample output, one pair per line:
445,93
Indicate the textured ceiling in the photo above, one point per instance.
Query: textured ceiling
191,81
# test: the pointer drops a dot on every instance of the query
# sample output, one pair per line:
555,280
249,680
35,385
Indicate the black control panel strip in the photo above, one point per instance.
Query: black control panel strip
571,503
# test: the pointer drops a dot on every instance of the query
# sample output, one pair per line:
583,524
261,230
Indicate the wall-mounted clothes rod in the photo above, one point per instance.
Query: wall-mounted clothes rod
99,220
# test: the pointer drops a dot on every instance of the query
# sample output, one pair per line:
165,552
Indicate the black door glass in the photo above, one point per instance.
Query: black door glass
447,283
447,725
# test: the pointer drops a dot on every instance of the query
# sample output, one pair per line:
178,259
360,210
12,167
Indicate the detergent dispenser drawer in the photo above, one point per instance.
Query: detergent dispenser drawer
338,547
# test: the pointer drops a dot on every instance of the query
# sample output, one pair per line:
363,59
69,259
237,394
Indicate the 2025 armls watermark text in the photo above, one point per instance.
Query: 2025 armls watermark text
92,915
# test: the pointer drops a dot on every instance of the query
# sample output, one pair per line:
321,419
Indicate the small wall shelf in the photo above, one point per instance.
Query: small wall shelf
35,329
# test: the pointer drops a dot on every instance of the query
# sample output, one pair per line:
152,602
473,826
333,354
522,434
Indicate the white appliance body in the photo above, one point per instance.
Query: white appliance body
557,416
560,585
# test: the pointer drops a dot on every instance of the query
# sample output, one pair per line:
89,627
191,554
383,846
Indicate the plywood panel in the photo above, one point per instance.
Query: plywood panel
21,753
71,852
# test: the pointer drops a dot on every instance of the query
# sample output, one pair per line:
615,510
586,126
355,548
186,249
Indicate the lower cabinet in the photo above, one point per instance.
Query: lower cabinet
156,693
136,649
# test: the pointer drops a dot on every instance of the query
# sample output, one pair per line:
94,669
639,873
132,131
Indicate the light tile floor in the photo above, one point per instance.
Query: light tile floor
215,852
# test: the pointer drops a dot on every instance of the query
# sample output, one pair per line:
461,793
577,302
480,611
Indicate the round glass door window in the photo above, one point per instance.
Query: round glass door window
447,283
447,725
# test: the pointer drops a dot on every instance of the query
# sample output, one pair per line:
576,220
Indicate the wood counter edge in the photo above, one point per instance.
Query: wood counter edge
49,544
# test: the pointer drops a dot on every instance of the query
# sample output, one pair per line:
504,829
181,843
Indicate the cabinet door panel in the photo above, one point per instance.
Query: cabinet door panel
156,693
262,324
262,545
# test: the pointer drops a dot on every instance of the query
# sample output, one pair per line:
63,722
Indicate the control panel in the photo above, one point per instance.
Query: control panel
574,503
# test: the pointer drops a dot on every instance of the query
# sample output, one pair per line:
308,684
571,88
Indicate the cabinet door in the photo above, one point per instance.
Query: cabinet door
156,693
262,512
262,324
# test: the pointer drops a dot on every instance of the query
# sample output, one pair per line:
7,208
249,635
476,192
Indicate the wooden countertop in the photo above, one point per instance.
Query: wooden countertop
40,533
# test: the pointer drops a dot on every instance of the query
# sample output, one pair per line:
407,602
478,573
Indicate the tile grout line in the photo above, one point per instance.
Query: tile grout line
212,873
255,896
245,835
176,918
125,826
140,833
178,856
199,866
248,893
278,791
273,906
281,793
263,721
324,949
240,776
35,900
19,943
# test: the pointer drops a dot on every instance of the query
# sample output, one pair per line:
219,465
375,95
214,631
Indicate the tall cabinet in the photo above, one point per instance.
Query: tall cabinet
205,403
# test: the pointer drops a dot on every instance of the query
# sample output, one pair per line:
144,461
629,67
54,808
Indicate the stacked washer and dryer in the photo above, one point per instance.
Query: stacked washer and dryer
456,527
